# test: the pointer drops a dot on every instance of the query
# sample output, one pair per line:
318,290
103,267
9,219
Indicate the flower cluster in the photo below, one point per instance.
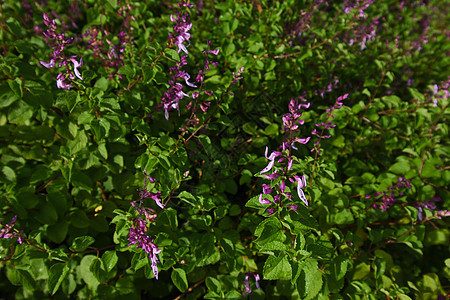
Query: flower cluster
112,56
58,42
327,124
440,92
424,27
193,105
364,33
430,205
302,25
237,75
360,5
331,85
291,122
171,98
181,28
137,234
386,199
8,232
248,290
100,41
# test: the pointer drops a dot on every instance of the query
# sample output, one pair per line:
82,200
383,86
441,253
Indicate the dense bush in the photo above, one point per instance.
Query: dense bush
219,150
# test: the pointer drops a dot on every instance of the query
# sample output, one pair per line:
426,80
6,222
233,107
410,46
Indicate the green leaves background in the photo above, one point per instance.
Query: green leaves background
71,161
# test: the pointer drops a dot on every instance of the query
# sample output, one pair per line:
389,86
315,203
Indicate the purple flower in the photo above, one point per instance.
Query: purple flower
181,31
48,65
58,42
294,207
301,183
442,213
263,201
274,175
172,97
257,281
247,285
138,237
61,82
270,211
75,67
7,232
247,288
266,189
272,157
282,186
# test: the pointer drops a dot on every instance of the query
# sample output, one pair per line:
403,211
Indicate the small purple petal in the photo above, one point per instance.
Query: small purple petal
282,186
48,65
263,201
257,281
294,207
301,194
215,52
268,167
75,67
272,176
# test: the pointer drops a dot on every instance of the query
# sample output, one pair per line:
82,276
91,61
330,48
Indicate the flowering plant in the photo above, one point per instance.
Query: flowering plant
224,150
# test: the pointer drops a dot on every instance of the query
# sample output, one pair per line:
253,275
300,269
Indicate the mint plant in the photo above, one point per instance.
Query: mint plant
224,150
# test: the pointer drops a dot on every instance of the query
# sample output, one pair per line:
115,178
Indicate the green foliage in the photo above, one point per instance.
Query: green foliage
74,163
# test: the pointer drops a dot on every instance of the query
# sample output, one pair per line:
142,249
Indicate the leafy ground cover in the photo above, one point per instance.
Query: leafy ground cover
224,149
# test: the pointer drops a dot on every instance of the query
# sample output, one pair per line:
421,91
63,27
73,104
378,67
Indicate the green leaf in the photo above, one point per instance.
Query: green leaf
309,282
149,73
188,198
269,232
14,26
57,273
172,54
58,231
109,259
85,272
321,246
16,86
250,128
8,174
206,252
70,98
102,84
95,268
179,279
20,112
429,170
277,268
213,285
47,214
79,219
81,243
400,168
302,220
82,180
127,70
339,267
361,271
169,216
229,48
228,247
13,276
344,216
102,149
